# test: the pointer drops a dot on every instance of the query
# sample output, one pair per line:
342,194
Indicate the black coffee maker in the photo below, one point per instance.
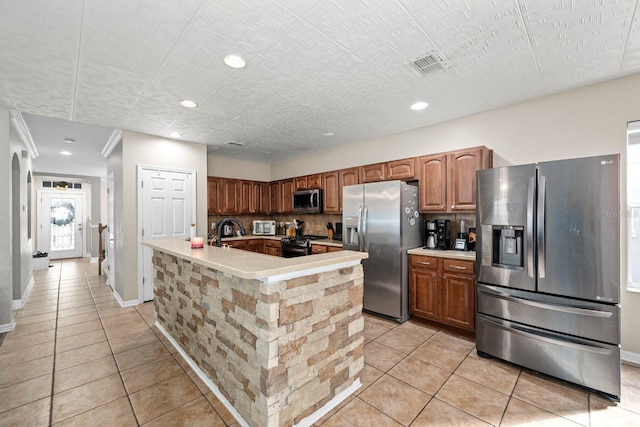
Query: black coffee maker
443,234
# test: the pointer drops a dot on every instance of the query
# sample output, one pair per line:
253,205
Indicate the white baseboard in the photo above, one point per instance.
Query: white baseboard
124,303
7,327
205,379
18,304
628,356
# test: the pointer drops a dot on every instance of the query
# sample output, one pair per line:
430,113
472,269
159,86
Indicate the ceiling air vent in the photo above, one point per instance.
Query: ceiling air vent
429,63
235,143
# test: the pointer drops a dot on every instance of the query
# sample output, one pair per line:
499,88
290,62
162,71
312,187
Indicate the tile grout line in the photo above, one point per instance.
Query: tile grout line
113,355
55,339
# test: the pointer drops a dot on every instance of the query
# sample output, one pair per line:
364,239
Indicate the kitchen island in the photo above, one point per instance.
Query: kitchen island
281,339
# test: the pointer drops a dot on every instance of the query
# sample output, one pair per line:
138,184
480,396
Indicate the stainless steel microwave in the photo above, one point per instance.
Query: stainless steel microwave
307,201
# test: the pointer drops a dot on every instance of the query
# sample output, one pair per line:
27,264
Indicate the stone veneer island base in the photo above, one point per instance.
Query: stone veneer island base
281,339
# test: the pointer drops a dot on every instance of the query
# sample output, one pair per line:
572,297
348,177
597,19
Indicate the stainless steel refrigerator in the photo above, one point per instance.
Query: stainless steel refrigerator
382,219
548,269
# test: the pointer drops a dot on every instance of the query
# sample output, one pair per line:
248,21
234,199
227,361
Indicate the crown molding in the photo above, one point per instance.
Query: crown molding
114,139
23,132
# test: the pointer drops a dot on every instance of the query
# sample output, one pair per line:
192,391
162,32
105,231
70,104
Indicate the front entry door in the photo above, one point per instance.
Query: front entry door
167,213
61,224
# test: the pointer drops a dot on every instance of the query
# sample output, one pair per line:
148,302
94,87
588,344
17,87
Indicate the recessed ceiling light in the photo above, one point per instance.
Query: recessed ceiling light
69,140
328,134
234,61
188,103
65,153
419,106
175,134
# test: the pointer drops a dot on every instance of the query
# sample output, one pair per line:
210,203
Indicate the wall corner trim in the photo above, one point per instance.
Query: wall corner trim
7,327
114,139
124,303
18,304
23,132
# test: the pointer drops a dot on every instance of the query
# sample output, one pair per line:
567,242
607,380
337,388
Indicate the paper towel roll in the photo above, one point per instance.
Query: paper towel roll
192,231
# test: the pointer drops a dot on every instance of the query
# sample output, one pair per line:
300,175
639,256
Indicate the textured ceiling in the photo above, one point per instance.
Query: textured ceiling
312,66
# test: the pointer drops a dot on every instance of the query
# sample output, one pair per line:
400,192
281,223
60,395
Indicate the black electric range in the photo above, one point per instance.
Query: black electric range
294,246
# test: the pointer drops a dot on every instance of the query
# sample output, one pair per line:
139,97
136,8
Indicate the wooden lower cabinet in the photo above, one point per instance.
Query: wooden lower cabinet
238,244
272,247
442,290
321,249
255,245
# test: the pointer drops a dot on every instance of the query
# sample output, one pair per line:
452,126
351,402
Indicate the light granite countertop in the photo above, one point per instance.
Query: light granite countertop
251,265
462,255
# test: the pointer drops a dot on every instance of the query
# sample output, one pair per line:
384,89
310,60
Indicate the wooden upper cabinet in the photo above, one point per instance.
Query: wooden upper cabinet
229,195
372,173
448,180
264,197
213,195
287,187
244,196
463,165
404,169
275,197
433,183
332,190
349,177
308,182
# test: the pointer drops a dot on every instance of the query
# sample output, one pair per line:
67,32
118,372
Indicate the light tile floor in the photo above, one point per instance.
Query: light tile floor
77,358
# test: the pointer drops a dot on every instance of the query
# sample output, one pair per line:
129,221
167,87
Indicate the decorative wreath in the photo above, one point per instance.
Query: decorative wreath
63,213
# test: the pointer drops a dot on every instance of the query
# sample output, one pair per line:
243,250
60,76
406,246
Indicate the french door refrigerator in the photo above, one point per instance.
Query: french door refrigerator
382,219
548,276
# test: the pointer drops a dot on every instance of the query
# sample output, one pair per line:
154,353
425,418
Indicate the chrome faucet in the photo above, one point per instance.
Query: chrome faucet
221,224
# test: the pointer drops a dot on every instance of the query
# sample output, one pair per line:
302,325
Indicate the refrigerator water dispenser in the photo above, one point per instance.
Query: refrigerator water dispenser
351,235
508,251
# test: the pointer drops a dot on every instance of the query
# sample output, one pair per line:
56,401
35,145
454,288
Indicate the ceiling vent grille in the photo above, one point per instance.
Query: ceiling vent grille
429,63
235,143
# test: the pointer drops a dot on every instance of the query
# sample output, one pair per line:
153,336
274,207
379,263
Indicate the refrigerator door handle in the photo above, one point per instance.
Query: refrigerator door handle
581,311
542,194
521,330
360,228
365,241
530,199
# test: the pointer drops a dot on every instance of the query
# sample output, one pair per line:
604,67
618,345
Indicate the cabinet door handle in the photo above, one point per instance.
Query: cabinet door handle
457,267
423,263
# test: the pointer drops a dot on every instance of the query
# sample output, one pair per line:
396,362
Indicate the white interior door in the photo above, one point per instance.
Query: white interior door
167,213
61,224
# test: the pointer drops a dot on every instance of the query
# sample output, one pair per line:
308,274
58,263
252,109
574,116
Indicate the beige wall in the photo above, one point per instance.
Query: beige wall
147,150
578,123
241,169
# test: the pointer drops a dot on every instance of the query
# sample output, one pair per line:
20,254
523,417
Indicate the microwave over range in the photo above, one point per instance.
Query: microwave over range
307,201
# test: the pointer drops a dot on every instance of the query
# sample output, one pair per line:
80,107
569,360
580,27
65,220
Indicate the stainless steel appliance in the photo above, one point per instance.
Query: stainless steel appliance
548,275
307,201
225,229
430,234
264,228
461,243
382,219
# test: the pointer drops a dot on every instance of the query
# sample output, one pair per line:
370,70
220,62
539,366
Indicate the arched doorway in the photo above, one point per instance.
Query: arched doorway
16,252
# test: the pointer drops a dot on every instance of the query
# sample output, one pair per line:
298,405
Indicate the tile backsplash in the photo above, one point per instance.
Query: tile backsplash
317,224
313,224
